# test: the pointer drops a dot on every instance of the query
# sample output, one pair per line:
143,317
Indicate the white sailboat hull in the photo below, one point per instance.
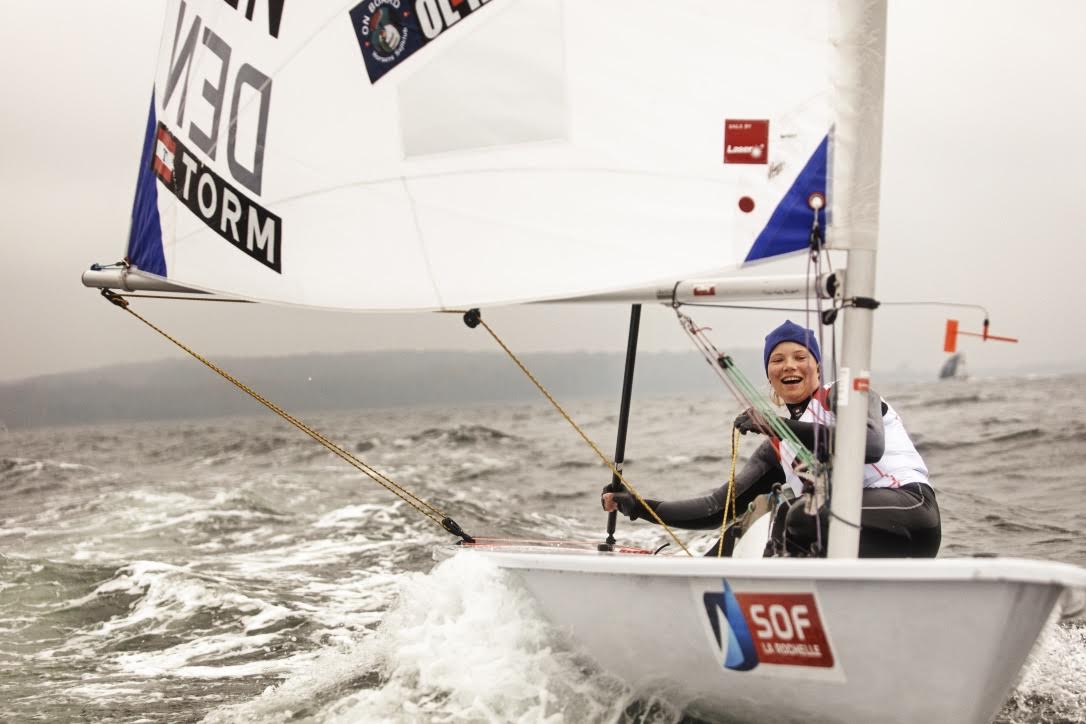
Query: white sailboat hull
833,640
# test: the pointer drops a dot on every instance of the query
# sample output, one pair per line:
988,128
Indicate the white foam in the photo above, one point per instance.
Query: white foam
1054,679
168,593
189,659
462,643
314,553
356,516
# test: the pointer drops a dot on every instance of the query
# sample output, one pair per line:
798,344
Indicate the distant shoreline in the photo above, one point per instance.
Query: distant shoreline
179,389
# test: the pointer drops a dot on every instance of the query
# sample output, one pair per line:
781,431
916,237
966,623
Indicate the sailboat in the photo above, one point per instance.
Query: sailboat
447,155
954,368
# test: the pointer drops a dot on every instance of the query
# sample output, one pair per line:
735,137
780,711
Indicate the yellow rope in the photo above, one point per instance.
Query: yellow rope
407,496
729,498
606,460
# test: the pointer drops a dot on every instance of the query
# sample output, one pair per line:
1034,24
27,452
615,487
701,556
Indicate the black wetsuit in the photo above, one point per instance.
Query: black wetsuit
894,523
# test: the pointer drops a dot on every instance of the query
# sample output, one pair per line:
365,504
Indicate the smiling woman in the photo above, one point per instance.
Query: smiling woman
792,360
899,515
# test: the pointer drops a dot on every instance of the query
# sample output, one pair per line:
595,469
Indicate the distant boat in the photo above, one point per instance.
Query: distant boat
954,368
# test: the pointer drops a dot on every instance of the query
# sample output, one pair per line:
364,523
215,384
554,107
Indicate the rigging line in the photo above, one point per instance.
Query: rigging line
935,304
584,436
729,496
747,393
819,492
816,258
722,305
185,299
721,362
849,523
407,496
711,355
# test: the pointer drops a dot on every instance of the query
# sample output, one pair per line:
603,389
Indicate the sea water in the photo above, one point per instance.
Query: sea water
232,570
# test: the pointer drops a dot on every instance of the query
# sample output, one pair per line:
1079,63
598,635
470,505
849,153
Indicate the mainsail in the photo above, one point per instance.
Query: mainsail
426,154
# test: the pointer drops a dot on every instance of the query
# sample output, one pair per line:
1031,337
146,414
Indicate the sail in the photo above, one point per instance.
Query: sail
424,154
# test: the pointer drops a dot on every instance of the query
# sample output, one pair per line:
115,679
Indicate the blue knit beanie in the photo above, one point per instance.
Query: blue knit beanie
791,332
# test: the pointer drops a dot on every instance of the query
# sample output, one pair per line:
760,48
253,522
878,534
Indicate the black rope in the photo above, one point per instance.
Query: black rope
185,299
740,306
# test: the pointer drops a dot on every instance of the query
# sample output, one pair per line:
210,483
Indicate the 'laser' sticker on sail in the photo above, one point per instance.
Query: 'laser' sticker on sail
390,31
777,633
746,141
226,211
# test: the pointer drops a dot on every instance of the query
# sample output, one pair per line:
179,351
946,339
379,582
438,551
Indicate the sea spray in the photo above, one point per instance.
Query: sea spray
462,643
1052,686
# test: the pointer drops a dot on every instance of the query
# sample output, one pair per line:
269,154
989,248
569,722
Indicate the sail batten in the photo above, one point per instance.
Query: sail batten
381,156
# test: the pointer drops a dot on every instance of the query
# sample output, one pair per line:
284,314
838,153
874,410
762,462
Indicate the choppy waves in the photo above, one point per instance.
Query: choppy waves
461,644
232,569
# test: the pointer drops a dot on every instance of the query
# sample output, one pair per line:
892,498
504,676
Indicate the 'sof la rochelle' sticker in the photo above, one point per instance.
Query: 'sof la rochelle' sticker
778,628
390,31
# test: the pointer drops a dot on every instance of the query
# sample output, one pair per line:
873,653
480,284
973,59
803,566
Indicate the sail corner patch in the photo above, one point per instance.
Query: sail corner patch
145,235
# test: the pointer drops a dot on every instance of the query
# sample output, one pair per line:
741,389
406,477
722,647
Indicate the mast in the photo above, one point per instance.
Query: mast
858,67
623,419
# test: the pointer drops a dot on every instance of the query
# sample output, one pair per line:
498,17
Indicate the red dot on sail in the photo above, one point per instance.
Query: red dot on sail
746,204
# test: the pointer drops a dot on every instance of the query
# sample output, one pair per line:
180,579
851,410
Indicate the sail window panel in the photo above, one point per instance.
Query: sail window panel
500,83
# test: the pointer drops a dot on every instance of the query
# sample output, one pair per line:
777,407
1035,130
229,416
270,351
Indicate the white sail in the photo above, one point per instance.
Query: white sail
415,154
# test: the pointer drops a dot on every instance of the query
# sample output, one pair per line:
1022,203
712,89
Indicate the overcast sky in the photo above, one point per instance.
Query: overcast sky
982,201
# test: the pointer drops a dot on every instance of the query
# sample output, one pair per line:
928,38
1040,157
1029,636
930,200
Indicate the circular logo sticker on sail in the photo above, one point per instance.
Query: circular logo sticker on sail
387,33
390,31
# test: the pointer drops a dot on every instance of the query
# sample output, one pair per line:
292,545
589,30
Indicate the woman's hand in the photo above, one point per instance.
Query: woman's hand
745,421
608,502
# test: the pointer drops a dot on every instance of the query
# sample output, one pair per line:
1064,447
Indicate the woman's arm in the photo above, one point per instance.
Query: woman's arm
704,511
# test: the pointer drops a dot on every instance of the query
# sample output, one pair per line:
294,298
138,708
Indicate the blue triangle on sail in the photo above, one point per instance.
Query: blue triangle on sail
730,630
789,228
145,234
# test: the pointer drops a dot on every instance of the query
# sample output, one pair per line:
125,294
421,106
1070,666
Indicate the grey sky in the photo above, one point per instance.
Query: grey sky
982,184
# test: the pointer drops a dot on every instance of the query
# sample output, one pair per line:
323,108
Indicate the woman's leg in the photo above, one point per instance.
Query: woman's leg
894,523
900,522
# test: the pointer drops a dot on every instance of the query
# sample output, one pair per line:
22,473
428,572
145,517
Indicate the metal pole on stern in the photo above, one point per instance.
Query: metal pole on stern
623,420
